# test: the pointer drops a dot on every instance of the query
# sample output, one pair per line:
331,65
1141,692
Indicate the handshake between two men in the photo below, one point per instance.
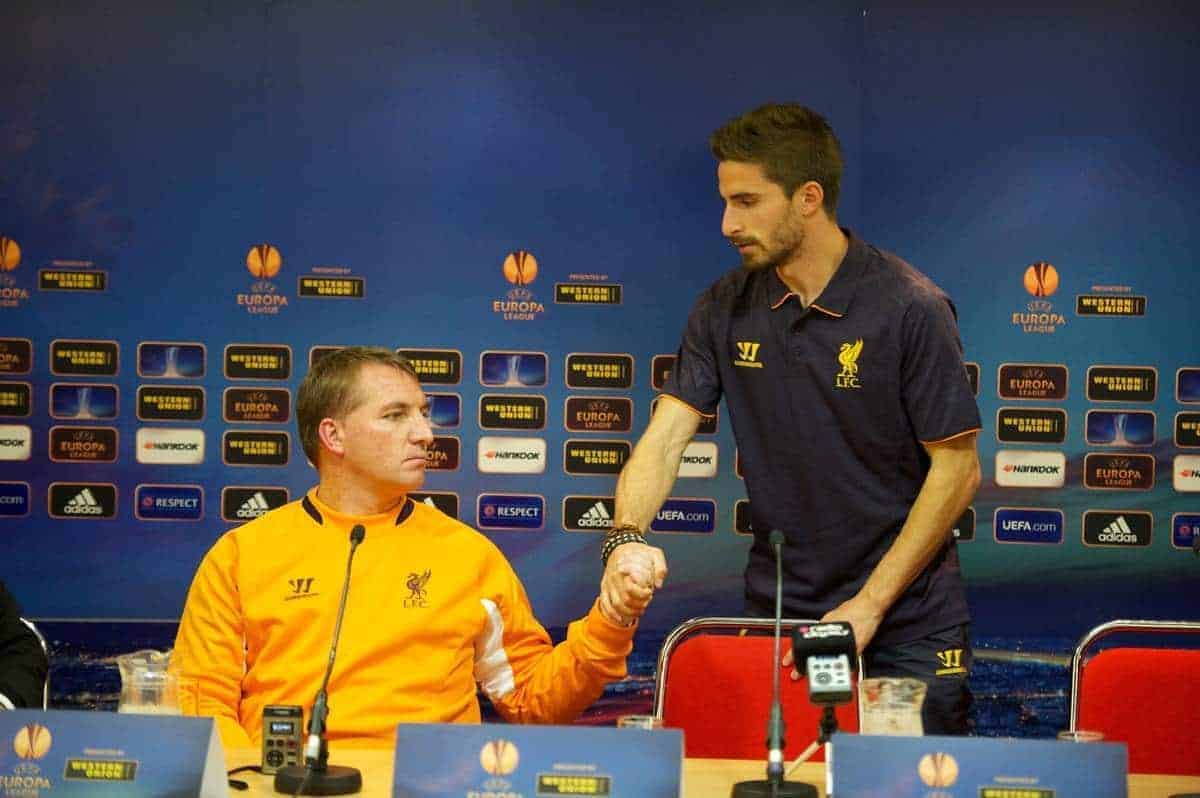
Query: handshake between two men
632,572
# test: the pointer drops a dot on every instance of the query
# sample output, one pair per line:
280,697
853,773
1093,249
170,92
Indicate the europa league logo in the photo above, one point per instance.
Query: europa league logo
499,757
10,254
1041,279
938,770
520,268
263,261
32,741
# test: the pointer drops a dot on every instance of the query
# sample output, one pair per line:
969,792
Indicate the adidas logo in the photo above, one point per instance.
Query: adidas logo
1118,532
253,507
596,517
83,503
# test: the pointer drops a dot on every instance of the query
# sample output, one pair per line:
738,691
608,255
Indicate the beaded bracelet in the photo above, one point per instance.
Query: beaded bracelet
619,536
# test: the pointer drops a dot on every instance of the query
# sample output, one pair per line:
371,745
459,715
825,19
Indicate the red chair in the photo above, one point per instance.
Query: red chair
714,682
1147,698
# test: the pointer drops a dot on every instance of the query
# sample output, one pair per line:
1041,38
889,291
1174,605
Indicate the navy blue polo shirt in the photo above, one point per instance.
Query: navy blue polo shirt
830,405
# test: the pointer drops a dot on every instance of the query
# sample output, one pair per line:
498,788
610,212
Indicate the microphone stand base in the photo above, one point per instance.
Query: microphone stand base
764,788
333,780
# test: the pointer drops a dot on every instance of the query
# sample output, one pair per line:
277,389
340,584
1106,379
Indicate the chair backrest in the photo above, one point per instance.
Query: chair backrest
45,650
714,682
1147,698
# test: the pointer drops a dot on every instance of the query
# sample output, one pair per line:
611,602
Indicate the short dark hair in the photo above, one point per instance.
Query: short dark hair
328,390
791,143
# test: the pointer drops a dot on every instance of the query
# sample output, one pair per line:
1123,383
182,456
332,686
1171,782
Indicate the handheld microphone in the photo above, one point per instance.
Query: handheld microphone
317,777
774,786
830,657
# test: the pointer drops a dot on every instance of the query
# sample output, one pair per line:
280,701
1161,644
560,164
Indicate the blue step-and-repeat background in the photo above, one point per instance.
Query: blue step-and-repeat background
195,198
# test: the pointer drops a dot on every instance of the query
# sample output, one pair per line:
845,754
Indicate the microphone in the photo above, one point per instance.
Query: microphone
774,786
830,657
317,777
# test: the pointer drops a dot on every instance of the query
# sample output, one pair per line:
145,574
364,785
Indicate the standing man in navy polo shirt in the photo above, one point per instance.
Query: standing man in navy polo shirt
842,371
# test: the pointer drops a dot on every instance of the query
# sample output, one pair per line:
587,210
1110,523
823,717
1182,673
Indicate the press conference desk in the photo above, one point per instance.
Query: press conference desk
702,778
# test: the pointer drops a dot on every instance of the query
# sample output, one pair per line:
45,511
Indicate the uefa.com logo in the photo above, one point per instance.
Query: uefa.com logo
1028,525
498,455
14,499
1030,469
1041,281
687,516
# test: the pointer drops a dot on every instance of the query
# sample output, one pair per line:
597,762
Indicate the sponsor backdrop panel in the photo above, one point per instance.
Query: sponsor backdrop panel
1057,227
476,186
480,188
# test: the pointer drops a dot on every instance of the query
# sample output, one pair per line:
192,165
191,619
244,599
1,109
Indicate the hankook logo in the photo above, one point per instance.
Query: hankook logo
1187,473
16,442
511,455
699,460
167,446
1029,469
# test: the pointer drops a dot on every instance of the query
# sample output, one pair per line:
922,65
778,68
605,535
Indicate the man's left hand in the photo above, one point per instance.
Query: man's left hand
863,617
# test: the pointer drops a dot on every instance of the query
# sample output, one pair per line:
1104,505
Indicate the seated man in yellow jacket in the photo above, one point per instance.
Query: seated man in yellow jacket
434,607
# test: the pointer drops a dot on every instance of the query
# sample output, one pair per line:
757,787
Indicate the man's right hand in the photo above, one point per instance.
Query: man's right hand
633,573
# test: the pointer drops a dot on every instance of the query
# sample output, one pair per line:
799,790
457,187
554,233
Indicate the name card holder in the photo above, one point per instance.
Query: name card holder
981,767
437,759
66,753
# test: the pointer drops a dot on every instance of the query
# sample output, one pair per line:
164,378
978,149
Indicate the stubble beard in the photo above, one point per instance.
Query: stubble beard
791,244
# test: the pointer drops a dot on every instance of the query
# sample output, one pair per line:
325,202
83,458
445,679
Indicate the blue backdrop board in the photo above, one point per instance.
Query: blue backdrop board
197,199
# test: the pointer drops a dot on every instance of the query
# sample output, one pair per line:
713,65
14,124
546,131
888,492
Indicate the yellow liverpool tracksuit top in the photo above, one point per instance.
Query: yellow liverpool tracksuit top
434,608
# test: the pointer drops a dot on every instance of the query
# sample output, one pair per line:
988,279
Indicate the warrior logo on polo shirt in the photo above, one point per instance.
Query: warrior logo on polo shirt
747,355
848,356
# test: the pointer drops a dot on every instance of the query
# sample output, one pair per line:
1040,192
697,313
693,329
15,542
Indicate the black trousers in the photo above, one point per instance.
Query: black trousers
942,660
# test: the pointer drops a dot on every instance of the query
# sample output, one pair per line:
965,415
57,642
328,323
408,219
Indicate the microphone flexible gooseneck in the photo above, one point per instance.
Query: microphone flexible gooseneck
317,777
773,786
